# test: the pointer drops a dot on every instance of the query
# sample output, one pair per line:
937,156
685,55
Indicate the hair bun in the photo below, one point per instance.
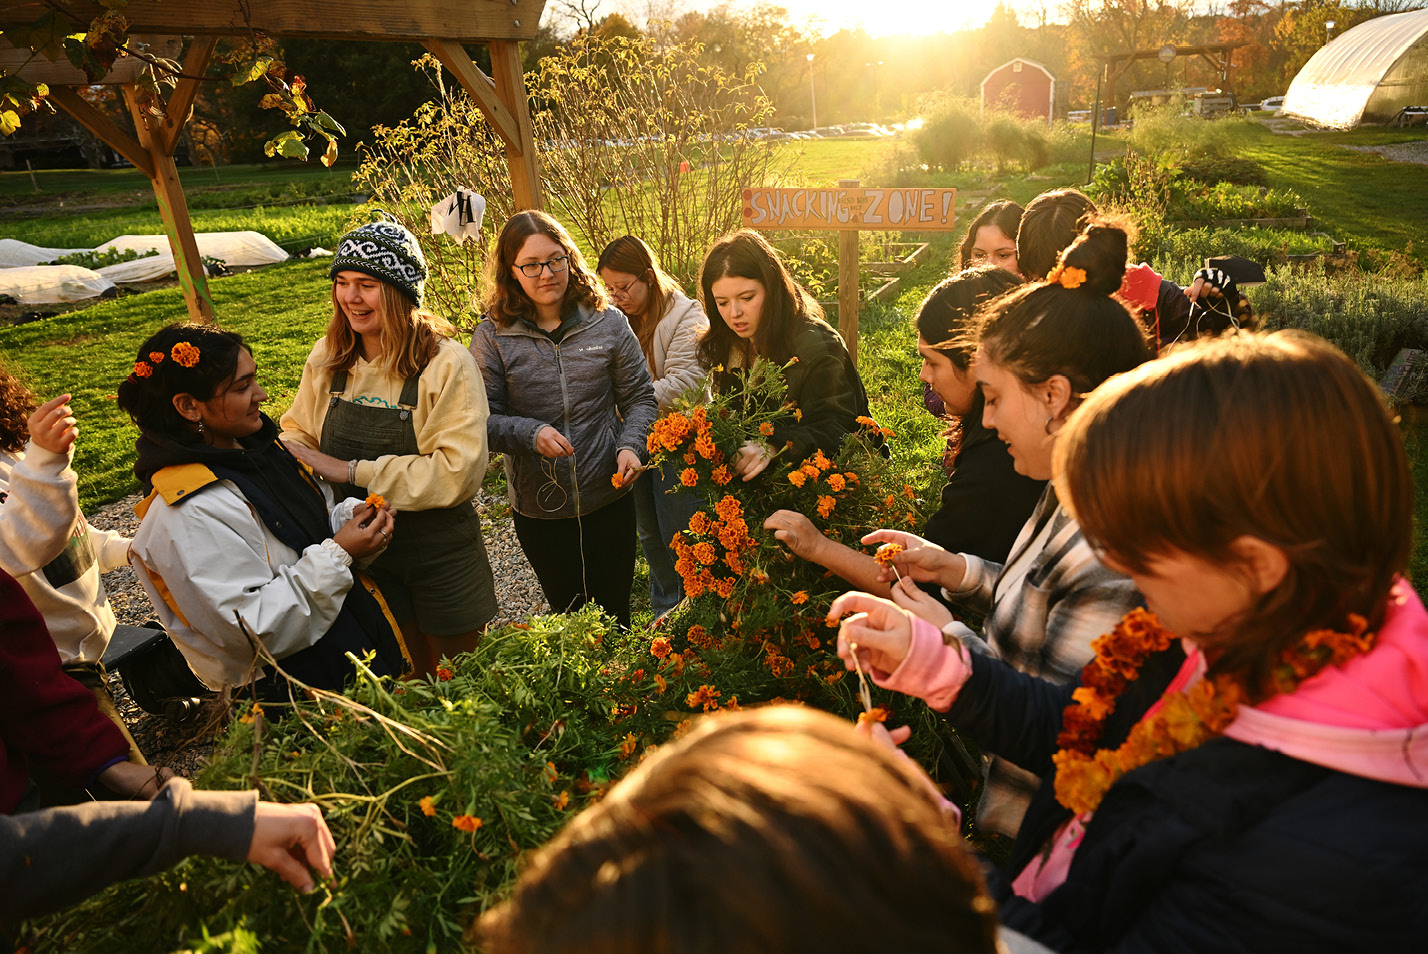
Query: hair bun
1101,251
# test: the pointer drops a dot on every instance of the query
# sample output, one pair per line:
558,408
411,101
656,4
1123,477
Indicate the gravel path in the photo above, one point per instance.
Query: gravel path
1399,152
185,747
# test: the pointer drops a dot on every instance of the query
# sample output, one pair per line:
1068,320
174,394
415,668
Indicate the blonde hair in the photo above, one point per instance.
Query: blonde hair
1279,437
410,334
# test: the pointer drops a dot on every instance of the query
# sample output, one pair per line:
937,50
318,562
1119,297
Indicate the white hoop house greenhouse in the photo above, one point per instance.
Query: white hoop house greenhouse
1368,74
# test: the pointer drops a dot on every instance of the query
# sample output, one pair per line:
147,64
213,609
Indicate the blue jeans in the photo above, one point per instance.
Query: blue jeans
659,517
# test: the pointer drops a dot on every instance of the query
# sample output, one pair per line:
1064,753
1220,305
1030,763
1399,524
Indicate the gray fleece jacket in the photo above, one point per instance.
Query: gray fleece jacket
594,387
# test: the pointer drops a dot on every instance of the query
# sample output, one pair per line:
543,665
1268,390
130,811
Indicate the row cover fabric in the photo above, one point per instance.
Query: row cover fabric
1366,74
23,277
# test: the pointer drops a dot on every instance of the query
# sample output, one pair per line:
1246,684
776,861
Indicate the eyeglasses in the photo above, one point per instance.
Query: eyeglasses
556,265
622,291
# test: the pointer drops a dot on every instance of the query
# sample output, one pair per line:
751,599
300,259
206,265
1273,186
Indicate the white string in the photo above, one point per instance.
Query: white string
548,467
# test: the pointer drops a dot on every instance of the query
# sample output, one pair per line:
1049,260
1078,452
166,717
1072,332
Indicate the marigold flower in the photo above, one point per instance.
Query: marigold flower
444,674
907,491
1067,276
886,553
376,501
798,414
616,480
185,354
833,677
821,461
660,684
562,800
825,505
659,647
428,806
690,457
466,823
766,429
628,745
142,369
699,523
721,475
705,697
699,636
876,714
732,561
837,482
724,587
797,478
705,553
867,421
728,508
157,357
799,598
689,477
889,502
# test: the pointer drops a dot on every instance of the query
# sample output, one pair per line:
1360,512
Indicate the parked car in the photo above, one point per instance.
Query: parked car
1272,105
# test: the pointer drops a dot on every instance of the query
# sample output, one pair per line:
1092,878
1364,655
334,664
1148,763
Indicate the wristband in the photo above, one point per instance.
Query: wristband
352,472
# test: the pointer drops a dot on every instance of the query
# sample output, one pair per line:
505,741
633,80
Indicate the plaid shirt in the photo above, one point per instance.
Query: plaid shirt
1043,608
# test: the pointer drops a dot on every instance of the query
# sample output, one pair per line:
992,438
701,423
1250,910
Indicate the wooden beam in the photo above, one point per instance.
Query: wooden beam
37,69
103,127
181,99
466,21
510,80
482,88
848,269
173,209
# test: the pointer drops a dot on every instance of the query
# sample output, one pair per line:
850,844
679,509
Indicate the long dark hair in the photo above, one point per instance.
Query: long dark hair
505,300
1050,223
630,254
165,368
787,305
1004,215
1075,327
946,313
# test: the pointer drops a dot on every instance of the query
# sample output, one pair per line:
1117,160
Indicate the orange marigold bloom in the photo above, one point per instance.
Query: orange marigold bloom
466,823
724,587
428,806
833,677
689,477
766,429
705,553
693,587
728,508
660,684
444,674
837,482
907,491
616,480
825,505
721,475
699,636
704,446
886,552
876,714
690,457
562,800
809,471
376,501
867,421
705,697
799,598
797,478
142,369
759,576
699,523
628,745
157,357
889,501
659,647
820,461
798,414
185,354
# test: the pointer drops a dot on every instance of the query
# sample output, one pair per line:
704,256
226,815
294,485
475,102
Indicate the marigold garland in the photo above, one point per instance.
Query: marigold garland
1185,720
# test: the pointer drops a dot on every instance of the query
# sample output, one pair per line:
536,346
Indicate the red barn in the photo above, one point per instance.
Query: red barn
1022,87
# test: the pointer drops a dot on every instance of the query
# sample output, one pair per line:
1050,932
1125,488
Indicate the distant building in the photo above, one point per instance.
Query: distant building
1368,74
1021,86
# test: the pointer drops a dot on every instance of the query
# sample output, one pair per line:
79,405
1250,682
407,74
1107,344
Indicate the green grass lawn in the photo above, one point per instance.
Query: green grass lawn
16,187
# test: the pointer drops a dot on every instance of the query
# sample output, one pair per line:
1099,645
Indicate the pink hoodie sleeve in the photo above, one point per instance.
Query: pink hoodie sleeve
932,670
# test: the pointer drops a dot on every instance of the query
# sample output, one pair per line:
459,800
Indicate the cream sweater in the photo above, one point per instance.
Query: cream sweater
449,418
54,554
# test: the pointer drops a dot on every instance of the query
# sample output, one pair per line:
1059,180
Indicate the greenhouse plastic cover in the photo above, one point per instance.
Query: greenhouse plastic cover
47,284
1367,73
23,277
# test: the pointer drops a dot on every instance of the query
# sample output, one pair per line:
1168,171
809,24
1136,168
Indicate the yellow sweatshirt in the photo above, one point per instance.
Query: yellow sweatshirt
450,421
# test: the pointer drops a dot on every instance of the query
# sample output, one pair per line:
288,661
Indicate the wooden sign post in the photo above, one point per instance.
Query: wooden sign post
849,209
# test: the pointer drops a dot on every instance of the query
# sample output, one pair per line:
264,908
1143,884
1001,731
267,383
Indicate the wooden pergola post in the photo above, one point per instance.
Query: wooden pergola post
440,25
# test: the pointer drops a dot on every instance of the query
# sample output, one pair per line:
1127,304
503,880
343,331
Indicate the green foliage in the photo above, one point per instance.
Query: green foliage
1368,318
1183,251
1226,201
950,135
1231,169
1166,131
105,257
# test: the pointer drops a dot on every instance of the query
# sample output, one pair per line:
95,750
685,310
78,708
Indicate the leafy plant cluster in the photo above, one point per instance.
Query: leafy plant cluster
1177,196
99,258
957,131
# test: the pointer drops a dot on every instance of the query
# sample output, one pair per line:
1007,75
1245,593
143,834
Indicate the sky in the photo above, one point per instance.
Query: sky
878,18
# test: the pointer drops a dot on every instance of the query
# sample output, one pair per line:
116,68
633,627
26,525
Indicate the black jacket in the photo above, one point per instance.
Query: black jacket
1226,848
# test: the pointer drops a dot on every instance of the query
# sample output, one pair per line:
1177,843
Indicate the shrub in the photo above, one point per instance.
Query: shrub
1005,139
950,135
1368,318
1166,131
1196,202
1183,251
1211,170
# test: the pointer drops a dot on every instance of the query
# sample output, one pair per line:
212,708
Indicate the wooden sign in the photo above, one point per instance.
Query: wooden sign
851,209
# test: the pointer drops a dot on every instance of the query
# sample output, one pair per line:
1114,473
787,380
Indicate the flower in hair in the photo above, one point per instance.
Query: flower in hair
1067,276
185,354
143,369
156,357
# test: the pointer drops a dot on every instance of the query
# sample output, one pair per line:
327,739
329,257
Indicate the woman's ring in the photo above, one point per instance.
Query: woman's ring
381,531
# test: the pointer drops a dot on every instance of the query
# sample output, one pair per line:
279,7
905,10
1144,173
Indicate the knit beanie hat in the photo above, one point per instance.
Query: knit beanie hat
384,250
